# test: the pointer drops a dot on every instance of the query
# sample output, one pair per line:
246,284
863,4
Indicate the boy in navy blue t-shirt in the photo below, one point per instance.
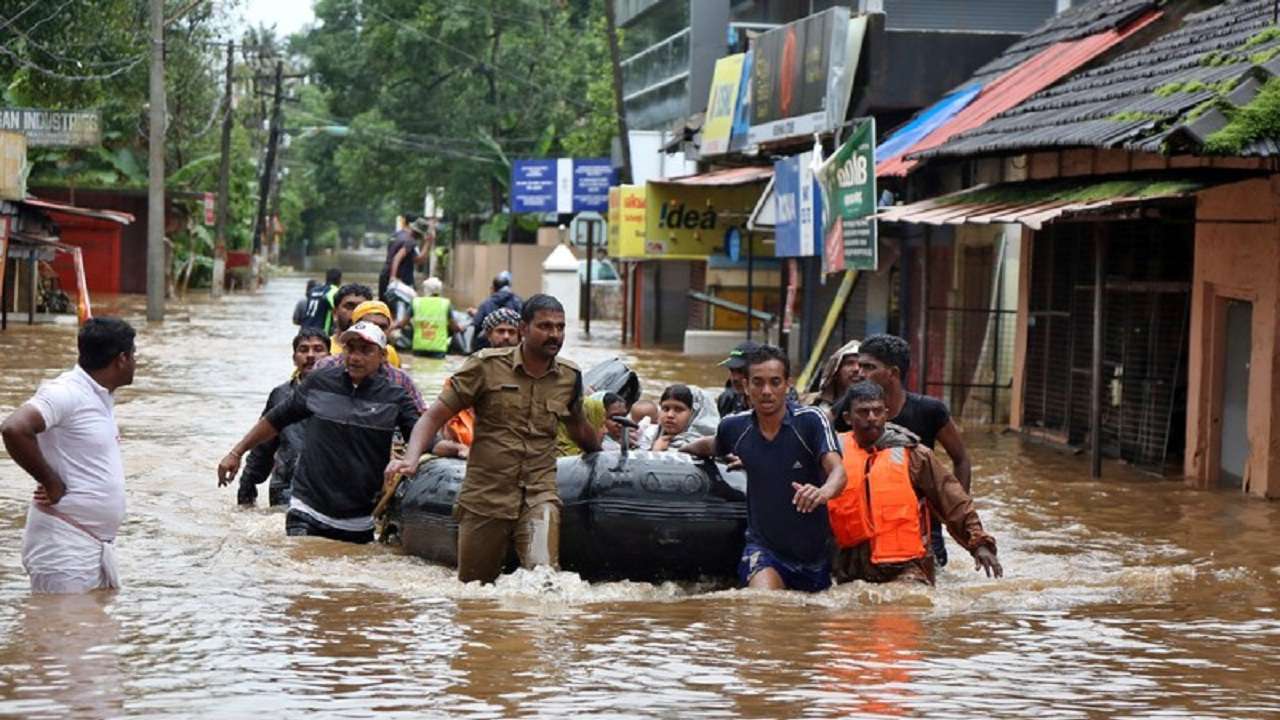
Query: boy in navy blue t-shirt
793,467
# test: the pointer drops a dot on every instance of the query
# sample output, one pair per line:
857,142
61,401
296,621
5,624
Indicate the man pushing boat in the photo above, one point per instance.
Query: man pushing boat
520,395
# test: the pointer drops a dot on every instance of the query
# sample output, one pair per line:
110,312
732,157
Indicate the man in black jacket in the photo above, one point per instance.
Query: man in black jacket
503,297
279,456
354,410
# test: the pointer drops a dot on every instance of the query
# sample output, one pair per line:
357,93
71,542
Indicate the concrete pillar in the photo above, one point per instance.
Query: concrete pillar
560,280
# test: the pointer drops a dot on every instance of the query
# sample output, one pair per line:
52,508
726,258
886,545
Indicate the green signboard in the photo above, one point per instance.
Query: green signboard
848,179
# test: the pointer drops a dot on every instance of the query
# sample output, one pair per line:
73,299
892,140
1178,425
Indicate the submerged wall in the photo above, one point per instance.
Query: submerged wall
1237,257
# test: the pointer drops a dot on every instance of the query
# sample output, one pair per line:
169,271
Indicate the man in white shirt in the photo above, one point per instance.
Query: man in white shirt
66,438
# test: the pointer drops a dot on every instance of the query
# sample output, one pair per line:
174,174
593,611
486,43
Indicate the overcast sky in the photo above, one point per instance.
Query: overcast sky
287,15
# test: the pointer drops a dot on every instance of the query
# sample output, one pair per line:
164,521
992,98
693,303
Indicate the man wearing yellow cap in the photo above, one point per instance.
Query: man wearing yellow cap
376,312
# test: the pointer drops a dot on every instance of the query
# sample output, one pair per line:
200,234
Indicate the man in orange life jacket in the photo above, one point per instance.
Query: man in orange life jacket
881,520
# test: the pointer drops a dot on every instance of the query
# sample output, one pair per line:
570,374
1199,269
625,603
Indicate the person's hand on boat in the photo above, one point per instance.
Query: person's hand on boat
808,497
401,466
732,462
984,558
50,494
228,468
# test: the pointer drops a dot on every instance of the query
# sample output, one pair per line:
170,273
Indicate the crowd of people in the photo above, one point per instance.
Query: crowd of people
842,484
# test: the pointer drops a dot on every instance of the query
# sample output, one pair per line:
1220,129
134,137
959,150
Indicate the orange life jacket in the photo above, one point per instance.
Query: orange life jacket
884,511
461,428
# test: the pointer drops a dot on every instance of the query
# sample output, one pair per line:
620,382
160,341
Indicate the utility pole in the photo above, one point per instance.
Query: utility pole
616,61
268,165
224,180
155,170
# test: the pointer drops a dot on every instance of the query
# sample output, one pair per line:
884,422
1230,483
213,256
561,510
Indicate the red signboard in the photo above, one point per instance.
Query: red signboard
209,206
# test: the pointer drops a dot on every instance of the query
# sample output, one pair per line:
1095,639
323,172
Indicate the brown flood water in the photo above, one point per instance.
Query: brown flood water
1125,598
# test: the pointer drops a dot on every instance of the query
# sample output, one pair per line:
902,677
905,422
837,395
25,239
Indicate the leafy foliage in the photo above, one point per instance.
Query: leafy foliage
437,93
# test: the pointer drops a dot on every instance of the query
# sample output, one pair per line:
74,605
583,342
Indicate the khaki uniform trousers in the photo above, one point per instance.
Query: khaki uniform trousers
484,542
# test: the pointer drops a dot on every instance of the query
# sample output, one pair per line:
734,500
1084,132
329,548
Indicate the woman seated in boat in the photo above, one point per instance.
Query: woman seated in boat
685,415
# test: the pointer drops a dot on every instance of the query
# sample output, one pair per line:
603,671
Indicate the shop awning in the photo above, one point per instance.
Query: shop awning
722,178
115,216
1034,204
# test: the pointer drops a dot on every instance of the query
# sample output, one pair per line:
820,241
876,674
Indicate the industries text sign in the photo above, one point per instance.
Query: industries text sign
54,128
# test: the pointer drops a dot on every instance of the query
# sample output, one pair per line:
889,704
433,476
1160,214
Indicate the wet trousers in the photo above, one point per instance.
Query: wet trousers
297,524
484,542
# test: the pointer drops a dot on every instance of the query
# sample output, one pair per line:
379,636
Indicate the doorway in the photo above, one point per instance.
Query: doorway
1234,438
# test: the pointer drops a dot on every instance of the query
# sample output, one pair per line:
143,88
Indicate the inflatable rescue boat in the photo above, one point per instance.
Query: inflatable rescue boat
640,516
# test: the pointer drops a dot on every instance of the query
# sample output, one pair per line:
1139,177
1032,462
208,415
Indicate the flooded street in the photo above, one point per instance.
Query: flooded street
1132,597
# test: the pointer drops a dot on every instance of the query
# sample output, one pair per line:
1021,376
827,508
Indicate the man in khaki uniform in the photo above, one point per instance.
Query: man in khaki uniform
520,394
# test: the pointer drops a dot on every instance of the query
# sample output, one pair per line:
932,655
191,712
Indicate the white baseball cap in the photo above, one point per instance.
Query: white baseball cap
366,331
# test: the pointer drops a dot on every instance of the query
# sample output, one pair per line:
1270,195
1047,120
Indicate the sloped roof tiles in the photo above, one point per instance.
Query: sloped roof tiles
1140,99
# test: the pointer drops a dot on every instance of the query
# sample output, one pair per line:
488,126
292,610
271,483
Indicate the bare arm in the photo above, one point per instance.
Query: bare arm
424,253
808,497
20,430
261,432
703,447
582,433
451,448
395,263
423,431
951,441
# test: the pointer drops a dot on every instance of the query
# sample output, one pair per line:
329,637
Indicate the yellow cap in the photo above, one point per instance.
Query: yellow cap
370,307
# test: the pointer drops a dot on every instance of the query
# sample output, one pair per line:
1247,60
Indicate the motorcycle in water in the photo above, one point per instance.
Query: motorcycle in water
399,300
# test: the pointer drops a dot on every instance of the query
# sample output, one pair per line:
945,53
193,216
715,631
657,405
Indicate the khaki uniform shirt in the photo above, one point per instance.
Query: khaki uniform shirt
513,457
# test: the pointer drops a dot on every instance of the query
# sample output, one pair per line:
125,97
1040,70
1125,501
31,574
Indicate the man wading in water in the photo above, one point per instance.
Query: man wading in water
501,330
884,360
881,521
278,457
793,466
66,438
354,410
520,395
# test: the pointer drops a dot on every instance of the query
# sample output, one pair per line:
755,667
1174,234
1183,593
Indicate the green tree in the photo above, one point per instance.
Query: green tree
437,93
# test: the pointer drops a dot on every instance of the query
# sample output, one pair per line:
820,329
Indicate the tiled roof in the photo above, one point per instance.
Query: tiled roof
1020,82
1080,20
1143,100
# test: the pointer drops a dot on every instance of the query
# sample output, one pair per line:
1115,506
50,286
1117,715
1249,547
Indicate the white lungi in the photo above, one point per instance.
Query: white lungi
62,558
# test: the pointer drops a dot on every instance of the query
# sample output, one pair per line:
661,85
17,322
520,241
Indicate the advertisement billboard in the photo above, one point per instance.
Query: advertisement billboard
802,75
798,228
692,222
626,221
718,126
848,180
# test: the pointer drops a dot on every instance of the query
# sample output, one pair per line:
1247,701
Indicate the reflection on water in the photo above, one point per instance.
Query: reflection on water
1126,597
65,661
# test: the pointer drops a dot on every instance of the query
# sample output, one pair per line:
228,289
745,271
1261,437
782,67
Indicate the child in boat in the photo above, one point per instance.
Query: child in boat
614,406
684,415
597,408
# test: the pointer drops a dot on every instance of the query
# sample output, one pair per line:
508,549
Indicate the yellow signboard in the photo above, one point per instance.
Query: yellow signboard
691,222
626,221
718,126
